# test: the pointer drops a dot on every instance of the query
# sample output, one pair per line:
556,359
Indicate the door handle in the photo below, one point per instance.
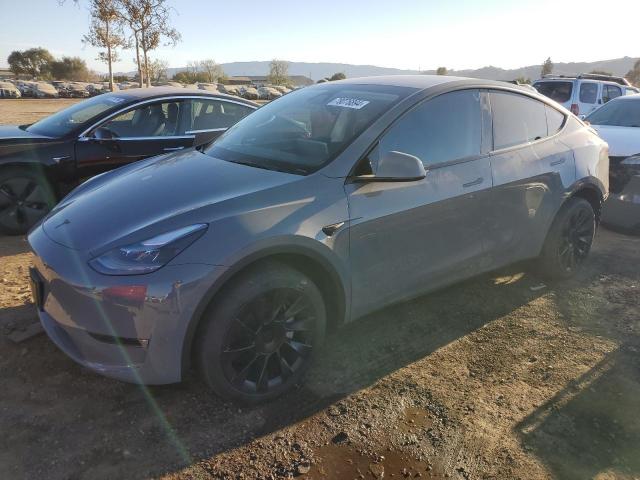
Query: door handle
477,181
172,149
558,162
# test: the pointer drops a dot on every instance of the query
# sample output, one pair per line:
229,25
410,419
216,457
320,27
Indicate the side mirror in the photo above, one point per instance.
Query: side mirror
396,167
102,134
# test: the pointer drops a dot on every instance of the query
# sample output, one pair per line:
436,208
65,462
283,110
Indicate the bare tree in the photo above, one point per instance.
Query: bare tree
105,31
278,72
158,70
211,69
441,71
149,21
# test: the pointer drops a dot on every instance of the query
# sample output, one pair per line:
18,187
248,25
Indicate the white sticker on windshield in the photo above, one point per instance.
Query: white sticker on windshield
115,99
347,102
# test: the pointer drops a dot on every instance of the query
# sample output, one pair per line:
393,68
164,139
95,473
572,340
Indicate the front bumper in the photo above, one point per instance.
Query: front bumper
92,319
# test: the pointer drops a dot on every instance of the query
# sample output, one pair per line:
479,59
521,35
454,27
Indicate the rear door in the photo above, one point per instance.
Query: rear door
589,97
209,118
530,167
408,237
148,129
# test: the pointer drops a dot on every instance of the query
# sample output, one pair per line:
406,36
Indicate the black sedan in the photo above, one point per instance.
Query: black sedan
41,162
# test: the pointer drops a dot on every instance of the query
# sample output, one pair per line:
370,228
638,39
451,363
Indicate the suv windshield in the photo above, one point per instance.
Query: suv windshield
63,122
306,129
623,113
558,91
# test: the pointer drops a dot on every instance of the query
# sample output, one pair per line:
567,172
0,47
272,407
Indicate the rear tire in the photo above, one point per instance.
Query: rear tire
260,334
25,197
569,240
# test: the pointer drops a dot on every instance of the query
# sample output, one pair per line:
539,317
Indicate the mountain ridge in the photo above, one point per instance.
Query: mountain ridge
318,70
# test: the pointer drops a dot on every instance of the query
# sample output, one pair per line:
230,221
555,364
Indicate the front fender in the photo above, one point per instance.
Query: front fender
300,247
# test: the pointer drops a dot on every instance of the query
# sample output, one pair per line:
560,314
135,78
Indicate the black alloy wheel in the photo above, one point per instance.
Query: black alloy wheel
269,341
25,197
576,239
261,332
568,241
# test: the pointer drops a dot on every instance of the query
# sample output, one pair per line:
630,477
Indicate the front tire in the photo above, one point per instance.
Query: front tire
25,197
260,334
569,240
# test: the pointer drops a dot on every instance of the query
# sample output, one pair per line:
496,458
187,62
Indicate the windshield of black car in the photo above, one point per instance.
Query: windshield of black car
623,113
63,122
306,129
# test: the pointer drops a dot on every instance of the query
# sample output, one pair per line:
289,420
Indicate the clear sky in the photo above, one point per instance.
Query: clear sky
408,34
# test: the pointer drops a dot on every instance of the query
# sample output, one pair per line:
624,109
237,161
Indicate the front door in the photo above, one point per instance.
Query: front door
409,237
143,131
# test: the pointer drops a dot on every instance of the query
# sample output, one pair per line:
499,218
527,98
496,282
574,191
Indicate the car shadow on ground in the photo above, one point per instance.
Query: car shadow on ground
591,428
144,431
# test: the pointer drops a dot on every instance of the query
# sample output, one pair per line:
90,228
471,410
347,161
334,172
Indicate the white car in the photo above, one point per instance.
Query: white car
581,94
618,123
9,90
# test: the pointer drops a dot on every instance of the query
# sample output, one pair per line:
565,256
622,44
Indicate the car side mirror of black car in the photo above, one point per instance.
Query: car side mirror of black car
396,166
102,134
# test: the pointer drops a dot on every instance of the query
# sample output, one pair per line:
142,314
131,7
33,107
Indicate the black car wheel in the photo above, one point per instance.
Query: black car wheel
260,335
569,240
25,197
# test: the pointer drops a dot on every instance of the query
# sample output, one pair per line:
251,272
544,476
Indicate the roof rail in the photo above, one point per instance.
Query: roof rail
606,78
552,75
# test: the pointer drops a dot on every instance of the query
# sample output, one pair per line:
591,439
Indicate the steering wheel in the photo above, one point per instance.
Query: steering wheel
104,133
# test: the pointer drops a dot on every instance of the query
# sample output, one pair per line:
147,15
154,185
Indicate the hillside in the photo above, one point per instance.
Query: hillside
316,71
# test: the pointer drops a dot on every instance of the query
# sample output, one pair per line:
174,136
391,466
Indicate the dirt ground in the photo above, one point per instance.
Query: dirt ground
27,110
500,377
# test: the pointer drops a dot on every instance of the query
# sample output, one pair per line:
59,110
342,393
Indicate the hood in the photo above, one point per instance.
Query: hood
623,141
14,135
121,203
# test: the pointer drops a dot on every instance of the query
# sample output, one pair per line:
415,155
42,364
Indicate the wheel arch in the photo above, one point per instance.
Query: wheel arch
317,266
592,190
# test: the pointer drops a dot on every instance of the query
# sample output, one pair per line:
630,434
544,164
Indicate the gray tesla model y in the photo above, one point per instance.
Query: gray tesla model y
322,206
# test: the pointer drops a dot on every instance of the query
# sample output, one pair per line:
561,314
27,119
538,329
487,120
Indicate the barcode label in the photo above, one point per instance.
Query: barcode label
346,102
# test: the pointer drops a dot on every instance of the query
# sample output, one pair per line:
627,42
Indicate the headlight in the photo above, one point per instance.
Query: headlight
148,255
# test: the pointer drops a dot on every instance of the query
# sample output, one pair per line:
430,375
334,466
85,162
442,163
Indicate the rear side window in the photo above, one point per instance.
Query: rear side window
516,119
555,119
588,92
609,92
447,127
558,91
215,114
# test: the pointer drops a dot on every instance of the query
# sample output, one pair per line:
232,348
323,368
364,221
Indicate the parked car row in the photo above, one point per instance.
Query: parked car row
316,209
267,92
9,90
53,89
63,89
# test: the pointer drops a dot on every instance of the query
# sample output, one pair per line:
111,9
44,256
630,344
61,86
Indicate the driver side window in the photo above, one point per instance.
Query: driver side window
447,127
162,119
